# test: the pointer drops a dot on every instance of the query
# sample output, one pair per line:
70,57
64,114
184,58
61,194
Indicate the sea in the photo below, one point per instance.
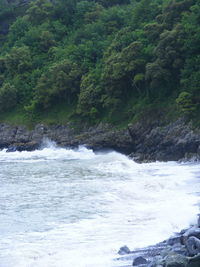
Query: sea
75,207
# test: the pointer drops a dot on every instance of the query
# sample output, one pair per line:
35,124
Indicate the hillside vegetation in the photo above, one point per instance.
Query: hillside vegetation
99,60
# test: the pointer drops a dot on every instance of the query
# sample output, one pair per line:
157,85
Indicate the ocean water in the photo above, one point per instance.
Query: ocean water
76,208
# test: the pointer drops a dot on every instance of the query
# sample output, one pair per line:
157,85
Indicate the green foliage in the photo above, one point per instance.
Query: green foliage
18,60
104,59
185,103
8,97
39,11
60,82
89,101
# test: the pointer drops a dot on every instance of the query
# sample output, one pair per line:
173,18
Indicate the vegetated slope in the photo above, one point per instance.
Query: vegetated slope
101,60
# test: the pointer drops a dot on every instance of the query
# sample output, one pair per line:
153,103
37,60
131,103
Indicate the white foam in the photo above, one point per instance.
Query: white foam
76,208
48,151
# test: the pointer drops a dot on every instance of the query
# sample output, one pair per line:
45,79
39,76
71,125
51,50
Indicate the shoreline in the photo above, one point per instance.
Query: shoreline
180,250
143,142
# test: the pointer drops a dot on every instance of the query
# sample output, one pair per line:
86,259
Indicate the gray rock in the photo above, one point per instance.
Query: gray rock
173,240
193,231
193,245
194,261
124,250
102,136
146,141
175,260
157,261
139,261
155,141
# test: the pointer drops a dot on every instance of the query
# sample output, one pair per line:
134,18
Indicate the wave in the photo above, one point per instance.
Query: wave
75,207
48,151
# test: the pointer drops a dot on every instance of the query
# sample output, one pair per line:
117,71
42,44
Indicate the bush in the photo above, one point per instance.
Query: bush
185,103
8,97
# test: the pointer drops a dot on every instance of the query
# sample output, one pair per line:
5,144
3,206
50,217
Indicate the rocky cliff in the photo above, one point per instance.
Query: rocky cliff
142,141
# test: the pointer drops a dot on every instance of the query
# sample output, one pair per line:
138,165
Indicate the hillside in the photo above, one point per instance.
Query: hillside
97,60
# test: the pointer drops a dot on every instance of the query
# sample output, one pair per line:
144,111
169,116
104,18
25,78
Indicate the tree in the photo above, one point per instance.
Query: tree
39,11
61,82
108,3
89,101
64,10
18,60
119,72
8,97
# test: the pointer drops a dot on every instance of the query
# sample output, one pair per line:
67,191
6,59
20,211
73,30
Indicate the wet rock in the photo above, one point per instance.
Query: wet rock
193,245
124,250
7,134
174,141
193,231
102,136
30,146
180,249
175,260
11,148
139,261
157,261
22,135
144,141
172,252
194,261
173,240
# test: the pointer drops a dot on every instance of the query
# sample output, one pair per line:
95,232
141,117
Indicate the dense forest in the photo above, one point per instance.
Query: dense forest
99,60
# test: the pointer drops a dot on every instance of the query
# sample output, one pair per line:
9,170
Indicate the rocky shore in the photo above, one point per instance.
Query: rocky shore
181,250
144,141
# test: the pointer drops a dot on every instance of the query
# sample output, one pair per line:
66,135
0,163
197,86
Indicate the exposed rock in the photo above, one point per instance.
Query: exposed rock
124,250
139,261
193,245
103,136
194,261
174,240
175,260
142,141
172,142
193,231
171,252
158,261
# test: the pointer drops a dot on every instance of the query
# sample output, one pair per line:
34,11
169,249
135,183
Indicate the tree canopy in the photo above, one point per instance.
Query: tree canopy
100,57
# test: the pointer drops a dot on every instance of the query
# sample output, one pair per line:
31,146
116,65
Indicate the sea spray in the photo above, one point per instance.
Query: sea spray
63,207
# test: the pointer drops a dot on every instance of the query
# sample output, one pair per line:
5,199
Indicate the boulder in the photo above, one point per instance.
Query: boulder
173,240
193,245
194,261
139,261
157,261
175,260
193,231
124,250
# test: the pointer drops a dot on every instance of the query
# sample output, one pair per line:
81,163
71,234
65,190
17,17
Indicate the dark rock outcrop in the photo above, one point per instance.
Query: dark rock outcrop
102,136
172,142
139,261
124,250
143,142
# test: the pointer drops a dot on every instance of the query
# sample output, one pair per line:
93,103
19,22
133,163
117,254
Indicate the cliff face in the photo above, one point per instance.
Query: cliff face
143,142
172,142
